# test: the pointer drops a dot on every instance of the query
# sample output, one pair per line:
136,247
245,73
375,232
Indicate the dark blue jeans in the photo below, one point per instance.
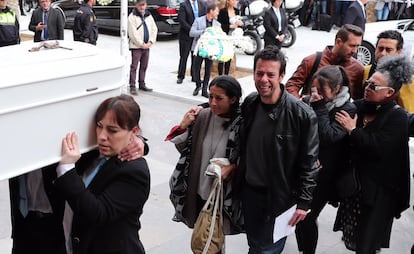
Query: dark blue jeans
259,226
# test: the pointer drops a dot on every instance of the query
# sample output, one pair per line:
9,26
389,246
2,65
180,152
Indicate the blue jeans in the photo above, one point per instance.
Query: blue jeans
323,5
383,13
340,10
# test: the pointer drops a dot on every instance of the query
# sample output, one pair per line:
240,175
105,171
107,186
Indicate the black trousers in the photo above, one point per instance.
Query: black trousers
198,61
185,49
307,230
38,234
224,68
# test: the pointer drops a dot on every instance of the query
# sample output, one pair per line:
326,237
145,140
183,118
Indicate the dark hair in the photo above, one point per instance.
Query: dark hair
393,35
271,53
125,108
211,6
345,30
397,68
232,88
332,75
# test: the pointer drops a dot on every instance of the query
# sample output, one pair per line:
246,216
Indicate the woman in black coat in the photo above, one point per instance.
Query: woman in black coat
378,137
330,94
106,194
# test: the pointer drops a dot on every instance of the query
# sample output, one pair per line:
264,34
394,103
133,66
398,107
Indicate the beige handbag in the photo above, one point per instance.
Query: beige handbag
208,236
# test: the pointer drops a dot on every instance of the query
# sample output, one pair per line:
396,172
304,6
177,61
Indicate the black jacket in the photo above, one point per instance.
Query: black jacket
295,141
186,17
85,28
381,155
106,213
334,154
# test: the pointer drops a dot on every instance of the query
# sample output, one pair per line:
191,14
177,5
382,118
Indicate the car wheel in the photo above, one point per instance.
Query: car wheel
366,53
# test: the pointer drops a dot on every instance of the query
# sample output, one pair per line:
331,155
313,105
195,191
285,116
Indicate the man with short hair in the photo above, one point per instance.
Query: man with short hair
47,23
142,34
85,28
197,29
391,42
347,41
188,12
278,157
9,26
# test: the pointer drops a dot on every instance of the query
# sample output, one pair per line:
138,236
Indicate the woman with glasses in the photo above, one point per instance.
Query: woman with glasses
378,138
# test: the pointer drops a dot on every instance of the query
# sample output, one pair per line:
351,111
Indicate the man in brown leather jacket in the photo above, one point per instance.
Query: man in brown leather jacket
347,40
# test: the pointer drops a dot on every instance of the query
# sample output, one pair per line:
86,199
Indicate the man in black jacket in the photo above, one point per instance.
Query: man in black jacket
189,10
279,149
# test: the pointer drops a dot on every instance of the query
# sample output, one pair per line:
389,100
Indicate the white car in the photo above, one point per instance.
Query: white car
366,52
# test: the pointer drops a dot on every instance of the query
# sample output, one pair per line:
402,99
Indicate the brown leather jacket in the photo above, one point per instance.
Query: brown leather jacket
353,68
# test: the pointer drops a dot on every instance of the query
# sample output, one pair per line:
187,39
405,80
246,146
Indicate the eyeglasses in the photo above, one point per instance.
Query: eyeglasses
371,85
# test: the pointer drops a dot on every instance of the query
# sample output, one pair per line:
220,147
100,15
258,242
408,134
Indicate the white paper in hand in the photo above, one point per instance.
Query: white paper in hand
282,228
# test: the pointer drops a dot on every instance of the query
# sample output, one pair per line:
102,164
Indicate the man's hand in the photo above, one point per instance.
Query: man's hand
298,216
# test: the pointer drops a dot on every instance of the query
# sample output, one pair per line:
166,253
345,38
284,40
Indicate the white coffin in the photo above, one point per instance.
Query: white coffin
45,94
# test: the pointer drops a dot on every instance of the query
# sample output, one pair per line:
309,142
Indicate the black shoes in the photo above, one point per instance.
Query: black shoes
145,88
204,94
196,90
133,90
179,81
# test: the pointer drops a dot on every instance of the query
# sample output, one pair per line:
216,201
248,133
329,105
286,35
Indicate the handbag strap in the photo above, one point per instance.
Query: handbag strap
218,204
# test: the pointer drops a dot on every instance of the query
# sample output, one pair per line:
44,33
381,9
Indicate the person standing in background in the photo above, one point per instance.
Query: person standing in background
382,9
197,29
9,26
47,23
188,12
229,19
85,28
275,22
341,7
142,33
356,14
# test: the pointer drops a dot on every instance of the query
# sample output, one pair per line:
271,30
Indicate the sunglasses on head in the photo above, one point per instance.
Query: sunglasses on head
371,85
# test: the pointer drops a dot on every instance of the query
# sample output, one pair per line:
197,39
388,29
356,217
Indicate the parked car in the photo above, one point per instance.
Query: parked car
366,52
165,13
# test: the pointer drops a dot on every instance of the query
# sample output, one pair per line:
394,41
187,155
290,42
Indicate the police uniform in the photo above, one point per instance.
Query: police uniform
85,28
9,28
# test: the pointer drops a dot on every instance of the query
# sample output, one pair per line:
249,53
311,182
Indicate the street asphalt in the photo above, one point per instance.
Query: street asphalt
159,234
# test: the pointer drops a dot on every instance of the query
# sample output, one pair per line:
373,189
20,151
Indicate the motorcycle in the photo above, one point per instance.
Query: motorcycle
253,28
30,4
292,7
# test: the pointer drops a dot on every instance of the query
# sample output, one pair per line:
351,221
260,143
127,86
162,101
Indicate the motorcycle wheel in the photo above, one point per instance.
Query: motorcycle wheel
255,40
290,37
27,5
35,4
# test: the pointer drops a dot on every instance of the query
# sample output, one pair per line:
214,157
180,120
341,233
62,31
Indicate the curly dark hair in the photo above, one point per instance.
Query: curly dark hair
397,68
